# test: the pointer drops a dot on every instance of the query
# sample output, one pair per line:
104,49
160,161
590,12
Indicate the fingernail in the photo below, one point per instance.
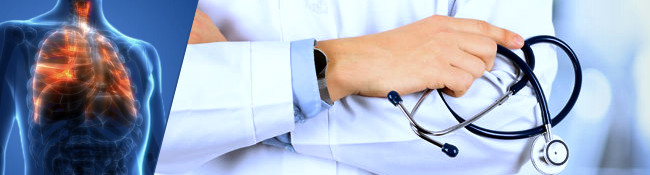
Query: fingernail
518,41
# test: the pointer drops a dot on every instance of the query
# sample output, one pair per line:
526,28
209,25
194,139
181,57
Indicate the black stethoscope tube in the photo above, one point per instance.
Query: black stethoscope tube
529,77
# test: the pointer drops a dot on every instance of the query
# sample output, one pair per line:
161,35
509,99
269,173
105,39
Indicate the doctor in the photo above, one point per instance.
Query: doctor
267,102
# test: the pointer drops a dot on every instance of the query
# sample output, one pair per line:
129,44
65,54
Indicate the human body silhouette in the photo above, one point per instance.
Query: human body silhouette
87,98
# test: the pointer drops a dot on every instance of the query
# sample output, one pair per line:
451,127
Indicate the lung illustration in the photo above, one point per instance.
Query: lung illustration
85,116
80,74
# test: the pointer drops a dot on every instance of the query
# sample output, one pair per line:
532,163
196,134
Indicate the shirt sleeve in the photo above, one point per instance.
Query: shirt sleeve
229,95
306,95
307,101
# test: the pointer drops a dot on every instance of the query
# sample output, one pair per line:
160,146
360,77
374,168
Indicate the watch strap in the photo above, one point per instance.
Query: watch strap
320,61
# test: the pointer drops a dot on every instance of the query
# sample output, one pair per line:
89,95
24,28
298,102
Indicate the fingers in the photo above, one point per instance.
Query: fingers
199,18
502,36
468,63
456,81
479,46
204,30
199,13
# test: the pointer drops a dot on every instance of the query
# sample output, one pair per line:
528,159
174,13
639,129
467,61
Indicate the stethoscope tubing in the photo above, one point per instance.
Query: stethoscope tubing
529,77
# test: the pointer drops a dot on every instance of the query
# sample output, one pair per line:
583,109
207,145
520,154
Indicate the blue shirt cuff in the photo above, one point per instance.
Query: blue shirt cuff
307,102
282,141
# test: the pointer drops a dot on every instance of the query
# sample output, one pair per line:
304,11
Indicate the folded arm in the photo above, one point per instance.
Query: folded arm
372,134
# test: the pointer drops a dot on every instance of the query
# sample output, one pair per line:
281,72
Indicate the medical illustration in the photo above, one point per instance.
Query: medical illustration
86,97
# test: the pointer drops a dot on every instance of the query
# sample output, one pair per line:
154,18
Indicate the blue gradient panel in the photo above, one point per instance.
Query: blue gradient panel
165,24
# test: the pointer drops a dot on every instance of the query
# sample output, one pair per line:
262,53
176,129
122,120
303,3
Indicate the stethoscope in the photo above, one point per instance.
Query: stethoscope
549,153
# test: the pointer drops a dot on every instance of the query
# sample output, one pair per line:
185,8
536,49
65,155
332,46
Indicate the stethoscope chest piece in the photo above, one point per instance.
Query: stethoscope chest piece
549,157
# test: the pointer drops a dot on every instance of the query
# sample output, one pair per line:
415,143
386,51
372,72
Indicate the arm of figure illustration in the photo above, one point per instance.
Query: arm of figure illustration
372,134
7,108
158,117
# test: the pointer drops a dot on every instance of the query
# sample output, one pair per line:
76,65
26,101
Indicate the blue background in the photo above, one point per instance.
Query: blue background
164,23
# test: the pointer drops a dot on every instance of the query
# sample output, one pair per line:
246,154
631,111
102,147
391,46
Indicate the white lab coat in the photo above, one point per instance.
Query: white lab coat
232,95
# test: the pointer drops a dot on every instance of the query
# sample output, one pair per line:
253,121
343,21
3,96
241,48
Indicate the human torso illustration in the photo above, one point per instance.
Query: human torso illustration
85,95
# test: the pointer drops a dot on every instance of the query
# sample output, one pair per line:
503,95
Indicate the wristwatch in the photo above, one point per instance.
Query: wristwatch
320,62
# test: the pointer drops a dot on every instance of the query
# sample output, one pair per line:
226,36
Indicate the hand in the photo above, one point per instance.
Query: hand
437,52
203,30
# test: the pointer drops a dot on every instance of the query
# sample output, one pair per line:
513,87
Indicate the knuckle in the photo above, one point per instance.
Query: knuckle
490,45
435,85
506,35
439,18
478,72
482,25
466,82
445,32
458,93
491,51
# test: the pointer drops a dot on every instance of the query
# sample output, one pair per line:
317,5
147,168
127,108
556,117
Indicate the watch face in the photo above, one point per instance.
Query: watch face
320,61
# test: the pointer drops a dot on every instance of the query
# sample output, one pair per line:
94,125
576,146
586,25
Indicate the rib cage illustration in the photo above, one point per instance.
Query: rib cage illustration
81,74
85,116
78,68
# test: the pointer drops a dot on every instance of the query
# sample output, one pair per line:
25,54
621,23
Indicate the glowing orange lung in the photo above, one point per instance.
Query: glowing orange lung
80,74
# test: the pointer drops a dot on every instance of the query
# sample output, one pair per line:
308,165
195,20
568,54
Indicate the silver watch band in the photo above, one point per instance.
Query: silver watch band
324,92
322,83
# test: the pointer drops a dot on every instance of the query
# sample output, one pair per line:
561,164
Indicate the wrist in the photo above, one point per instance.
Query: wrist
335,87
336,77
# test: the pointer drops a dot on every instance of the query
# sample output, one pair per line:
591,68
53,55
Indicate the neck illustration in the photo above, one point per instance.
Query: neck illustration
81,13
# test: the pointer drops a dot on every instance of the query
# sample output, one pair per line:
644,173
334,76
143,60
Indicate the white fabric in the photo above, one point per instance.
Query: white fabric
357,135
222,101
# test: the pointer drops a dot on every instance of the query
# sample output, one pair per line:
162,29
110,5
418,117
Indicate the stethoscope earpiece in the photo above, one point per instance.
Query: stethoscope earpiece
450,150
549,157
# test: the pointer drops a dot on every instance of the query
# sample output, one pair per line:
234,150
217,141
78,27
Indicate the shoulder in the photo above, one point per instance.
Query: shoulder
12,26
138,50
13,31
135,46
26,29
12,23
29,24
131,47
144,50
145,46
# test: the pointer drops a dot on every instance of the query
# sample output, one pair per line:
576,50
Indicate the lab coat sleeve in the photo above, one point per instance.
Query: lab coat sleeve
229,95
372,134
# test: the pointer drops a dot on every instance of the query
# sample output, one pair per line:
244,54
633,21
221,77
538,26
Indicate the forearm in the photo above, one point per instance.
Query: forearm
229,95
455,51
6,118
